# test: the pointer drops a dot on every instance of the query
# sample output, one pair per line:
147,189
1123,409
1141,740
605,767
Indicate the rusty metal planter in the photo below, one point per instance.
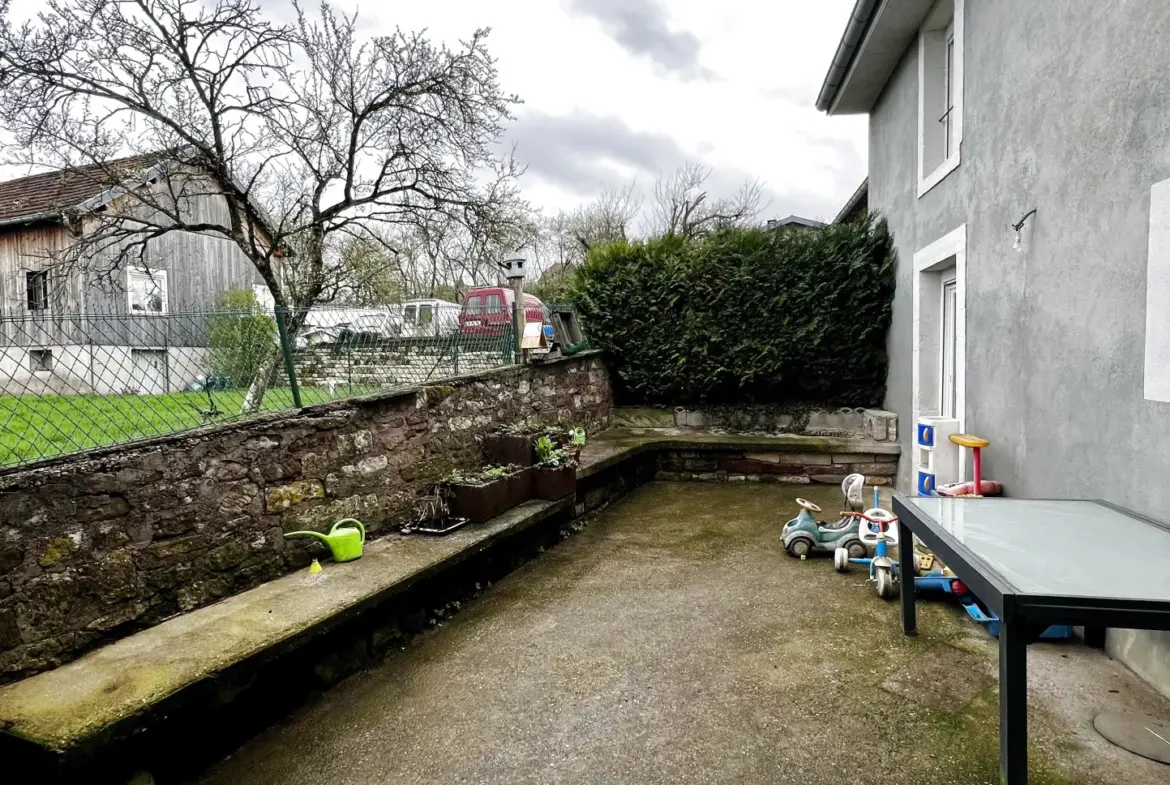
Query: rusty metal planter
553,484
479,503
508,449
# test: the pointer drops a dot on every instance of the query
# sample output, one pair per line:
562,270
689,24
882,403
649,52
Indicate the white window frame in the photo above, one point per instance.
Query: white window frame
941,255
158,278
948,349
953,83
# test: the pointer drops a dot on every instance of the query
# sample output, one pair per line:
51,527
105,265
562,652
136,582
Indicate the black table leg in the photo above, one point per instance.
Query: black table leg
1013,703
906,577
1095,637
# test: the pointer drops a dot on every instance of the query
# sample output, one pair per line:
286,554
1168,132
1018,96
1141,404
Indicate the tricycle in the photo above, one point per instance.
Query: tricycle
877,529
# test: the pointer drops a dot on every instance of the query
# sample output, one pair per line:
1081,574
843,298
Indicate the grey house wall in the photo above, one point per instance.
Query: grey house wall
1066,110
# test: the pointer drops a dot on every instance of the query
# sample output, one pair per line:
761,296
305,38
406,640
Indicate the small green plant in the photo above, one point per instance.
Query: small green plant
550,456
520,428
544,448
481,476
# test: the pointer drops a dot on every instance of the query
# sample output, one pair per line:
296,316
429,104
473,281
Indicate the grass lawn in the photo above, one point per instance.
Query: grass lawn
37,427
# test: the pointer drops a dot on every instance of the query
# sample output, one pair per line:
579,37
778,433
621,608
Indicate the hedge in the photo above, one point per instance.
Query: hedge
744,315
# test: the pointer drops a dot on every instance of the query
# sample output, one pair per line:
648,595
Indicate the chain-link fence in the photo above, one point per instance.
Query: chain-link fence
71,382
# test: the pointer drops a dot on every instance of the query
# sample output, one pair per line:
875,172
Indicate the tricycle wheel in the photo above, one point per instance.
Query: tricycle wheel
856,549
841,560
799,548
885,583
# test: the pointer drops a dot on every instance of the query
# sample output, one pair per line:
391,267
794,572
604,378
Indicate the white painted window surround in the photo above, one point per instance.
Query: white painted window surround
936,266
940,93
146,291
1157,360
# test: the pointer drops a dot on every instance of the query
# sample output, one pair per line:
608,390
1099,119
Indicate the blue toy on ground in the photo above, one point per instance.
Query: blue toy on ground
804,535
1055,632
877,529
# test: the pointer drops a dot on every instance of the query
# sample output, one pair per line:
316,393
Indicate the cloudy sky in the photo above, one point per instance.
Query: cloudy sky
617,90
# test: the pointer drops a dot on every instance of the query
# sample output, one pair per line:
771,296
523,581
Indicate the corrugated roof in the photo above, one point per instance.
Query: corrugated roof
46,195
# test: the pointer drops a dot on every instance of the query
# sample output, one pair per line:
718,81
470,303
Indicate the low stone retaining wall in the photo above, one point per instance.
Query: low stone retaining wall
776,467
96,546
137,704
336,367
875,424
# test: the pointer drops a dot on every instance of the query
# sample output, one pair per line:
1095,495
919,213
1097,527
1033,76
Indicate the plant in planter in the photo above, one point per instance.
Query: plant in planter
555,475
482,494
513,443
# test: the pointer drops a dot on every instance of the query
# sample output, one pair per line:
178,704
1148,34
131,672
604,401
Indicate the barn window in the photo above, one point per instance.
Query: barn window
147,291
37,283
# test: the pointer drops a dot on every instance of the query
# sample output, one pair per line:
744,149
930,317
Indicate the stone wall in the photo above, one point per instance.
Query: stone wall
875,424
776,467
335,366
97,546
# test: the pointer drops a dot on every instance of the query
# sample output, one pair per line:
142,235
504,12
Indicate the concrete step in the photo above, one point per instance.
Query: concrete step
118,690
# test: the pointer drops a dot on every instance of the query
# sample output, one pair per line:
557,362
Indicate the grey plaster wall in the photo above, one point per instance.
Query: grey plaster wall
1066,110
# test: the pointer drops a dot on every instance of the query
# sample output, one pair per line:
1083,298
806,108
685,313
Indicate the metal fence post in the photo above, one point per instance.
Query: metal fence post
286,350
455,349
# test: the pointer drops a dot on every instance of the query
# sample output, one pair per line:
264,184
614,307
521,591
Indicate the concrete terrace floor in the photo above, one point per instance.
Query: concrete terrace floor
672,641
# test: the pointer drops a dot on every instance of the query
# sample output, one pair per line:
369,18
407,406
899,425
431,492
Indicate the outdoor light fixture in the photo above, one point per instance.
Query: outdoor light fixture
1019,227
514,267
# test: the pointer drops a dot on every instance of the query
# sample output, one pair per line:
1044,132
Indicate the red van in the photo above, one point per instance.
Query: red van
488,310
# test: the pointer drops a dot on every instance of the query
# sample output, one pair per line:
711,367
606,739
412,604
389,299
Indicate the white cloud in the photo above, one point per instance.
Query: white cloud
617,89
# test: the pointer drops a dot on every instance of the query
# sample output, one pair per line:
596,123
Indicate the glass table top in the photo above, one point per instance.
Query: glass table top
1060,548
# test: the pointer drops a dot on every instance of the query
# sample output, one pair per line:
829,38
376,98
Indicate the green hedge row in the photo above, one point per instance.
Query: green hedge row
744,315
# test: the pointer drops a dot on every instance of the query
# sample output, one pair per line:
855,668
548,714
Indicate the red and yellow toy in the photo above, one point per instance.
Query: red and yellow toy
978,487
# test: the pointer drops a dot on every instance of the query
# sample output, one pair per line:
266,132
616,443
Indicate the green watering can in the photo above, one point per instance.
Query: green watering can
345,542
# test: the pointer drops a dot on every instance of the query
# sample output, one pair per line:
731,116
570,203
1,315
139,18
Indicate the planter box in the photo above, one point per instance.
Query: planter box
479,503
553,484
505,449
519,488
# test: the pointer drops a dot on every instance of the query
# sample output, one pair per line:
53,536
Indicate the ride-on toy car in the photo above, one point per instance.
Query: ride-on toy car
803,535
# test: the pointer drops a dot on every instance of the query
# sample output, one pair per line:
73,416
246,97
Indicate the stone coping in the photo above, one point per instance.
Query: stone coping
616,444
91,696
111,690
261,421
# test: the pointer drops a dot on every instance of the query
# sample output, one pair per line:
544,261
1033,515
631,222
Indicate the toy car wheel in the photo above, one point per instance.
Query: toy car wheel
799,548
841,560
885,584
856,549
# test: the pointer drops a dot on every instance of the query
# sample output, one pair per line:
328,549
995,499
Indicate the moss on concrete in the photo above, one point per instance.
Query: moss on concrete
670,641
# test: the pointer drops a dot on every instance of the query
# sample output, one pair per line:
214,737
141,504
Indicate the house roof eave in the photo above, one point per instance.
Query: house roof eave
873,43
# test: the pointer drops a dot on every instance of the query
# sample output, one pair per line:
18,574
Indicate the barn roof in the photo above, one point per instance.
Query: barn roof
46,196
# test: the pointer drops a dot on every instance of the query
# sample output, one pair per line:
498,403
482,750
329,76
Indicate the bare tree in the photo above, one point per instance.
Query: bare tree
607,218
682,205
308,134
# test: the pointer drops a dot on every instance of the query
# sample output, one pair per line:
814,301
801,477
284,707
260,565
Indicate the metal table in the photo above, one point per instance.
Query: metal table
1037,562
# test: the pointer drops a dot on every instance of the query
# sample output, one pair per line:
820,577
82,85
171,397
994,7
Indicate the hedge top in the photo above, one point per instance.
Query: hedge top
745,314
